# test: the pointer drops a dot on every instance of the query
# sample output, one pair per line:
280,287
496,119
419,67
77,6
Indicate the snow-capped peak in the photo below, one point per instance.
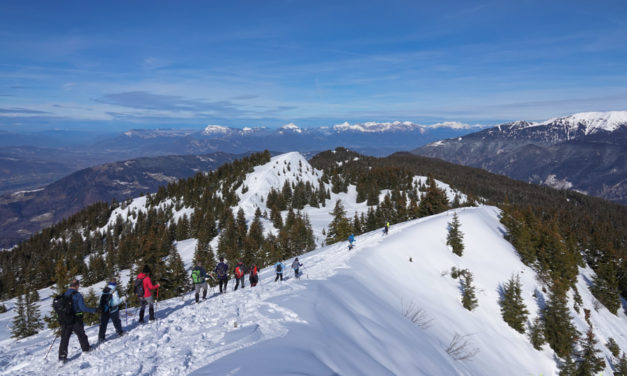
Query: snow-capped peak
371,126
292,127
215,129
591,121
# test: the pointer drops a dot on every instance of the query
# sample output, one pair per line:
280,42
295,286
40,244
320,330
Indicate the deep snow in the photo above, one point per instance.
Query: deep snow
344,316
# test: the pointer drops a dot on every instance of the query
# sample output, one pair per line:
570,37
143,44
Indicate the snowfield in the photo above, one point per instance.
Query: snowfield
343,316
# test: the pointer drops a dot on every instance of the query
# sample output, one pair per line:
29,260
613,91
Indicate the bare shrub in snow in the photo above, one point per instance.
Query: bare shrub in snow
461,348
416,314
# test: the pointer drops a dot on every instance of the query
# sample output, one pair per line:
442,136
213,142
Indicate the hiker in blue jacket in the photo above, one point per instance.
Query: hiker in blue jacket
279,267
110,308
77,326
351,241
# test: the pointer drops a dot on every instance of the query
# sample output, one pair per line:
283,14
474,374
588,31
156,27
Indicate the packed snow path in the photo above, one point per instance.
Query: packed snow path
344,316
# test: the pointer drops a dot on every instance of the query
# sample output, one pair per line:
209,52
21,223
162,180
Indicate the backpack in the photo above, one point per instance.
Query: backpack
221,269
239,272
105,299
196,278
62,305
253,271
279,268
138,287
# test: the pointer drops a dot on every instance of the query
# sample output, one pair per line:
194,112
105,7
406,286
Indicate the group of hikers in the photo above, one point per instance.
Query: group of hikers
71,306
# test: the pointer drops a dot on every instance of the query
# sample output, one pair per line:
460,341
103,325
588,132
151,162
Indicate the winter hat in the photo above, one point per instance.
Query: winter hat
146,269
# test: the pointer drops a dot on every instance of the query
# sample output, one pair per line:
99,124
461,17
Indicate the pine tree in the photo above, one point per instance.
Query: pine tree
340,227
605,286
91,300
568,367
536,334
588,362
559,331
178,281
455,237
33,315
19,329
469,300
513,307
620,369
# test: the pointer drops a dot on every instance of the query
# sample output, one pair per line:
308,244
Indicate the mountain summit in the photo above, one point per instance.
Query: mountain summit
585,151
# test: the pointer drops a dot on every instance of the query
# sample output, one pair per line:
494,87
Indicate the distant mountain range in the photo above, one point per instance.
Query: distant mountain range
586,152
370,138
26,212
30,161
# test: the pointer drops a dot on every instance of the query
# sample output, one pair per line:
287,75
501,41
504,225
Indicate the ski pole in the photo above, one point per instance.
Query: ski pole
126,310
54,339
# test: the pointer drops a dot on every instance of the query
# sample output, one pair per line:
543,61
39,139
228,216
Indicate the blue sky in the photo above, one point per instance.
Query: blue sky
145,64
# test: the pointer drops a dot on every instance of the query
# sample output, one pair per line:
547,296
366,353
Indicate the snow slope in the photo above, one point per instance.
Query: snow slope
344,316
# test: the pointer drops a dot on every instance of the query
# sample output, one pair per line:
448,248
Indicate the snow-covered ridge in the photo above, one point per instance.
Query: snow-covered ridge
154,133
373,127
591,121
344,316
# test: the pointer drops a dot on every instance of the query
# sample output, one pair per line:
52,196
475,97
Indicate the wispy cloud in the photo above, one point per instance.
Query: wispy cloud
21,111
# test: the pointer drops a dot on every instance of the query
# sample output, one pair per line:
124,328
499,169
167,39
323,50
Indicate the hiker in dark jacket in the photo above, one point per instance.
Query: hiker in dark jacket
240,273
279,267
110,308
199,276
77,326
147,299
296,265
254,276
222,271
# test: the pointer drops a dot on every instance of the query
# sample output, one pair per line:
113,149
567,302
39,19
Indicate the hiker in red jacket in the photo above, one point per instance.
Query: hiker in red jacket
147,299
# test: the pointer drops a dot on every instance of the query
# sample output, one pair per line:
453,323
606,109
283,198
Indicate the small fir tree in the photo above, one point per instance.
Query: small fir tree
455,237
559,331
20,326
91,300
536,333
568,367
613,347
178,281
513,307
605,287
588,362
620,369
33,314
469,300
340,227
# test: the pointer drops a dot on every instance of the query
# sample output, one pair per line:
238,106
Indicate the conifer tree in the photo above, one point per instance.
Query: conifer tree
513,307
568,367
469,300
536,333
178,281
559,331
19,329
340,227
434,201
33,314
455,237
588,362
620,369
605,286
91,300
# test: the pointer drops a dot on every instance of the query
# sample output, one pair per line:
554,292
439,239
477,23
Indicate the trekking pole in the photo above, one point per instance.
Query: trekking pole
157,308
126,310
54,339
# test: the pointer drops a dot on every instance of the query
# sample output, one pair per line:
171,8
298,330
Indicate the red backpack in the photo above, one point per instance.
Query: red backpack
239,271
